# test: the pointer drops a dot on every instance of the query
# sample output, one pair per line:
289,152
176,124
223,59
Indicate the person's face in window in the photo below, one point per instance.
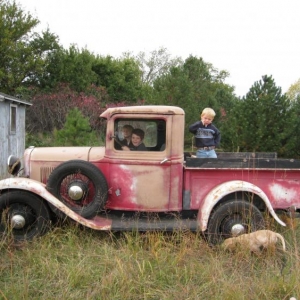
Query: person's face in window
126,133
136,140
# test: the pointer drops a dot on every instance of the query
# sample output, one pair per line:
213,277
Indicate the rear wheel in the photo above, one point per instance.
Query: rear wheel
23,215
79,185
233,218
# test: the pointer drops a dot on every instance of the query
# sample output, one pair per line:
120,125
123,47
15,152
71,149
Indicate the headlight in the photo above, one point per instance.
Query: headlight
13,165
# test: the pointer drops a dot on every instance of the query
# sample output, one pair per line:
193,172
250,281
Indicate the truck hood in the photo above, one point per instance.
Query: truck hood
47,158
60,154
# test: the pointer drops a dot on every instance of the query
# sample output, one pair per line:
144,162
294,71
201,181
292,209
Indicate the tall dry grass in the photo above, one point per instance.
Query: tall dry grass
72,262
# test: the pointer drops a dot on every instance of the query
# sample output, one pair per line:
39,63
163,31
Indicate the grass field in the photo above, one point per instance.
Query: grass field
72,262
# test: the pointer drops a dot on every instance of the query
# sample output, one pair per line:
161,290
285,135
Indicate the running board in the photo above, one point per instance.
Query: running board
151,225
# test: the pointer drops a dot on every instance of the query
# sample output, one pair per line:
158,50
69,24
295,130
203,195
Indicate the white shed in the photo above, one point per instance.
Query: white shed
12,129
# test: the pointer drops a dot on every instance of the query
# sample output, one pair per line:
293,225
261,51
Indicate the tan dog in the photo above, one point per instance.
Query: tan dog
254,241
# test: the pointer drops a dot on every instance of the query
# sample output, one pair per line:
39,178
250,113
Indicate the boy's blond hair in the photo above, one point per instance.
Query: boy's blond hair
209,112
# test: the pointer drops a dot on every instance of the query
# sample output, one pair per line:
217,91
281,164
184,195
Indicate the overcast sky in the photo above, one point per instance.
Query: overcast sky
248,38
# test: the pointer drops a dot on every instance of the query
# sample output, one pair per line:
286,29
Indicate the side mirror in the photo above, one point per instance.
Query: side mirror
13,165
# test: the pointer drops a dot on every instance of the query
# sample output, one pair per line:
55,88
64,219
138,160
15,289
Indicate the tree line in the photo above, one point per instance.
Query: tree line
69,88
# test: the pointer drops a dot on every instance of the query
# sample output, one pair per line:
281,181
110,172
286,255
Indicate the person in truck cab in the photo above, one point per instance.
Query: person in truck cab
137,138
207,136
126,132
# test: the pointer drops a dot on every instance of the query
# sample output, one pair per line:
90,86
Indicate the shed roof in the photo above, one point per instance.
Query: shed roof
4,97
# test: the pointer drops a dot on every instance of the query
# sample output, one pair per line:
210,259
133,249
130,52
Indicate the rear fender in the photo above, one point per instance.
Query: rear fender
38,188
220,191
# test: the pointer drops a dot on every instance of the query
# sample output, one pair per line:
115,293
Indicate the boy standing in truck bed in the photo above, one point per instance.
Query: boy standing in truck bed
207,136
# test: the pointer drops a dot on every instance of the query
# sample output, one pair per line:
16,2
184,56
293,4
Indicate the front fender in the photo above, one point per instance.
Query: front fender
38,188
220,191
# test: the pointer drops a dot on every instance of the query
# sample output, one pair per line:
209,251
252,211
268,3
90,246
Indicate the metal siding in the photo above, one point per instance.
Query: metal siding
4,107
11,143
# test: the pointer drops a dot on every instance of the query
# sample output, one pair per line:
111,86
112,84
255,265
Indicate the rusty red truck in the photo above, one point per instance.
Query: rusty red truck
162,188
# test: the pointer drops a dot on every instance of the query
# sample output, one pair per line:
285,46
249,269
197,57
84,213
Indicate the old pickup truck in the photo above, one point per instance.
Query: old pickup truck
162,188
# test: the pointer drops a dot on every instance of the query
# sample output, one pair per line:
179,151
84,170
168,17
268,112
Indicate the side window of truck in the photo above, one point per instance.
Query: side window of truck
154,132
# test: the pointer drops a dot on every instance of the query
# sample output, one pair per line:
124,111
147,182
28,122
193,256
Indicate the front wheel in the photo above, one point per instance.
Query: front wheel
23,215
79,185
233,218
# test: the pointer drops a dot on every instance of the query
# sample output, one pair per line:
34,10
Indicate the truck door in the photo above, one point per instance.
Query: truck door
143,178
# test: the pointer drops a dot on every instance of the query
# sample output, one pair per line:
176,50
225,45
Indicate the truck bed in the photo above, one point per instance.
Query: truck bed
243,160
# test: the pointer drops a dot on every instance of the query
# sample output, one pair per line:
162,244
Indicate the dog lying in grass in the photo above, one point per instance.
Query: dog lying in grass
254,241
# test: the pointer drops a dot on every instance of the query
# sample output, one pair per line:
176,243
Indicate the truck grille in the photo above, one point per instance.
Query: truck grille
45,173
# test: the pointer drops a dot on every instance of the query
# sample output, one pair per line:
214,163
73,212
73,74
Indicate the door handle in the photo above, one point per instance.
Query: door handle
164,160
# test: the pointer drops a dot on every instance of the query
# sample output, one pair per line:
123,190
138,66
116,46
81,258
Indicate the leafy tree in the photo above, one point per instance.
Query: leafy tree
120,77
71,66
156,64
260,118
194,85
175,89
22,50
76,131
294,90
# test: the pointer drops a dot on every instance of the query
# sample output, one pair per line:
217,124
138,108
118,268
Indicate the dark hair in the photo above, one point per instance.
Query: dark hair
139,132
127,127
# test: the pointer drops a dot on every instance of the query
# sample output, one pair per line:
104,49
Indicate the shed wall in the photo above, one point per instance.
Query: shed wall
11,142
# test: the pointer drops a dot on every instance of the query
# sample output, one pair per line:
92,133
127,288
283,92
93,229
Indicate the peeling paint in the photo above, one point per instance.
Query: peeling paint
281,192
38,188
143,187
224,189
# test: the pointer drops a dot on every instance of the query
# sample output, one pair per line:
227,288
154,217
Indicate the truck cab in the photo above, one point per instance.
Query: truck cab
132,175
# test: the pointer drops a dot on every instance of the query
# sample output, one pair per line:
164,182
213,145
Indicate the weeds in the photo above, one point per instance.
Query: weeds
72,262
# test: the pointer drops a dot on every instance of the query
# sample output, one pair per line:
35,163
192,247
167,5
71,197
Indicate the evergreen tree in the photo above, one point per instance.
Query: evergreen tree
76,132
292,148
261,118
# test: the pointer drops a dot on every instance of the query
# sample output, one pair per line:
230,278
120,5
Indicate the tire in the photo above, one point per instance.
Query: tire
233,218
23,215
79,185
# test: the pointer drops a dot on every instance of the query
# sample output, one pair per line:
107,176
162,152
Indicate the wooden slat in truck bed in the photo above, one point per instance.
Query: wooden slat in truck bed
230,162
247,154
239,154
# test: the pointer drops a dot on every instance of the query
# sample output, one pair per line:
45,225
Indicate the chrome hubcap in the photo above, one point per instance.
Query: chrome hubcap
75,192
237,229
17,221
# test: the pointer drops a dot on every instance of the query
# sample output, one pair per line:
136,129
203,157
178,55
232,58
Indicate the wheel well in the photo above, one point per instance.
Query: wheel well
246,196
36,195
